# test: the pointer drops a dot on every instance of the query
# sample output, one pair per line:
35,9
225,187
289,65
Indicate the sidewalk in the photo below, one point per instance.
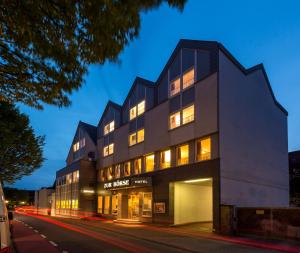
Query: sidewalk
27,241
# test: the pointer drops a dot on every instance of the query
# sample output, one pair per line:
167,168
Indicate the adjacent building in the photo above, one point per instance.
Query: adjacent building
294,168
207,134
43,200
76,183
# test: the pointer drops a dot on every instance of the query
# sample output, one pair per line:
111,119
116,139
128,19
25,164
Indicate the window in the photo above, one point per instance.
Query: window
109,127
203,149
69,178
175,120
102,175
136,137
147,204
140,135
76,176
76,146
114,204
106,204
188,78
132,113
141,108
127,169
175,87
132,139
118,171
108,150
149,163
188,114
109,173
79,144
137,166
183,155
100,204
165,159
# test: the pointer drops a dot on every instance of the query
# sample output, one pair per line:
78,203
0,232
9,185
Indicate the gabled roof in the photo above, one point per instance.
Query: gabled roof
109,104
139,81
90,130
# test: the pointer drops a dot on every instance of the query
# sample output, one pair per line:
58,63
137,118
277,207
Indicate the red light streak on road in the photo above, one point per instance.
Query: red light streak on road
108,239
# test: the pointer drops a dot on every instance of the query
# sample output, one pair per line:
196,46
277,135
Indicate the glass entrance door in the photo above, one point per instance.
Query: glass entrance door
133,206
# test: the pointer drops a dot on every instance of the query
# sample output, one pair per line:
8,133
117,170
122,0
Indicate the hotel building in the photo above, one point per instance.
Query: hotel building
207,134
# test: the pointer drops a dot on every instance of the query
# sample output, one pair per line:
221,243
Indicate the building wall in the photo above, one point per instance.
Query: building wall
253,140
42,200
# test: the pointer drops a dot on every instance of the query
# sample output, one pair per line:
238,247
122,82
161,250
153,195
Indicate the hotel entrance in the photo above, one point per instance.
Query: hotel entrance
133,206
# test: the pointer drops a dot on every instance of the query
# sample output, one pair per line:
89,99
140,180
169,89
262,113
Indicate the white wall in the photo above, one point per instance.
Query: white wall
253,140
192,203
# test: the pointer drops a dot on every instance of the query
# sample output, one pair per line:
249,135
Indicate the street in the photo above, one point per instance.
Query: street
78,236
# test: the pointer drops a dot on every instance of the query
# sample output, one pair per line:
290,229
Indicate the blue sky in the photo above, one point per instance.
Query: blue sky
253,31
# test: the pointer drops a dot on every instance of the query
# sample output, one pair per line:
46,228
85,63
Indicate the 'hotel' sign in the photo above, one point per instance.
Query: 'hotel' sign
126,183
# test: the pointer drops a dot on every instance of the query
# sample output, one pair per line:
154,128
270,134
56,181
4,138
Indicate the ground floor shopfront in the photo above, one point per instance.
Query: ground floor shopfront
175,196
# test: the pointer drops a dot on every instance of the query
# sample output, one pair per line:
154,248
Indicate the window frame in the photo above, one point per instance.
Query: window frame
184,73
176,112
146,156
196,148
184,108
144,108
160,159
176,155
173,81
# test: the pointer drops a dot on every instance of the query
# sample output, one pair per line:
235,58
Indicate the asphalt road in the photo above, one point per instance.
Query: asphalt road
80,236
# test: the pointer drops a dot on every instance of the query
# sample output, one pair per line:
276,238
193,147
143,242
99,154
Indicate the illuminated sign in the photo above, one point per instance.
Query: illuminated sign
127,183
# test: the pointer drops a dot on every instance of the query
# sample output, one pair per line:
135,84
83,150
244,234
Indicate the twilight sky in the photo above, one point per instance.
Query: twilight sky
254,32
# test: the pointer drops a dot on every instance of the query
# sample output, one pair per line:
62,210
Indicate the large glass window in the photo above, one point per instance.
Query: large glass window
109,127
114,204
140,135
75,176
106,204
188,114
118,171
188,78
175,86
147,204
127,169
175,120
141,108
203,149
149,163
165,159
183,155
110,174
132,139
100,204
137,166
132,113
105,151
102,175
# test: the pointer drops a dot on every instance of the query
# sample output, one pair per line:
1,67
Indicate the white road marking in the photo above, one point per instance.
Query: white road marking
53,243
43,236
36,231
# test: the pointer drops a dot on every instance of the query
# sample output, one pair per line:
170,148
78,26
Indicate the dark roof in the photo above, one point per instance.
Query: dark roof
90,129
214,47
109,104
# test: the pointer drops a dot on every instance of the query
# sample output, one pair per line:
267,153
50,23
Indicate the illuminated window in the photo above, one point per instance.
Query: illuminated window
149,163
79,144
140,135
127,169
141,108
100,204
108,150
114,204
69,178
188,78
137,166
110,174
132,113
118,171
165,159
109,127
175,87
76,146
102,175
76,176
82,143
183,155
132,139
106,204
188,114
203,149
175,120
147,204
